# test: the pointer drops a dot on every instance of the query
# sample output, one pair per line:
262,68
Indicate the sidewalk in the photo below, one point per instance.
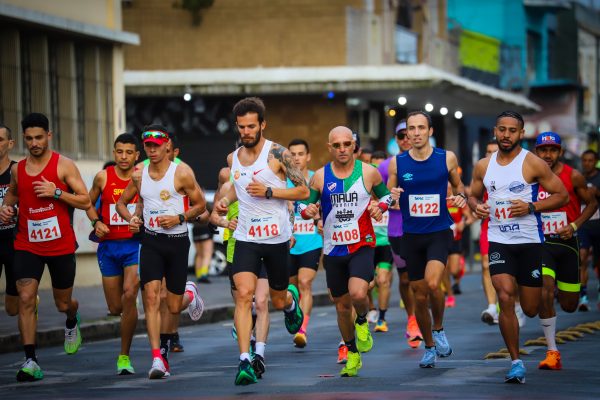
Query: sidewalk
96,324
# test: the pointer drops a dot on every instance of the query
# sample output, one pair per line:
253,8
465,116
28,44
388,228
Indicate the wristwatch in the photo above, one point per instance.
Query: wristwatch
531,208
269,192
181,219
57,193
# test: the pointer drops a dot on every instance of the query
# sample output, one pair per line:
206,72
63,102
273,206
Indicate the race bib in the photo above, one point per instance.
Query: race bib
263,228
553,221
345,233
304,226
115,218
43,230
500,209
153,223
424,205
384,220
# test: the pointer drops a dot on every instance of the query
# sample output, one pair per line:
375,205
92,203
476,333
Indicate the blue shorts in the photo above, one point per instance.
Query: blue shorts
115,255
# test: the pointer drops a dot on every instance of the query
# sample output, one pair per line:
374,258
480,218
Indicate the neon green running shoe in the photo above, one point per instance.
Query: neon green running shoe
352,366
124,365
73,338
294,319
364,340
30,371
245,374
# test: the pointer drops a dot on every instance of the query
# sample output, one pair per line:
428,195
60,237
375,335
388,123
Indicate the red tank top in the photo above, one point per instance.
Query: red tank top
44,226
573,207
113,189
456,214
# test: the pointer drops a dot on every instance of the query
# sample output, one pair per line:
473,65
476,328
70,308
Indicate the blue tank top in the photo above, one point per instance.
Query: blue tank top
425,184
305,231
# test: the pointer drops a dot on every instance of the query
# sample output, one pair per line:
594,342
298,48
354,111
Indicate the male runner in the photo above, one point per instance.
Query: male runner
46,185
118,251
511,178
560,268
7,252
264,229
344,187
306,253
163,187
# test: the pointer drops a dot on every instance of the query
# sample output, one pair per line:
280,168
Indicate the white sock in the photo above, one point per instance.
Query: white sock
245,356
260,349
549,327
492,307
252,337
291,308
518,360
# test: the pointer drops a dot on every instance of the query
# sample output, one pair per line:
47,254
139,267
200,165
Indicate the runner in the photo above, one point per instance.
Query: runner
263,232
7,252
162,188
589,234
512,177
118,251
344,187
423,173
306,252
560,268
46,185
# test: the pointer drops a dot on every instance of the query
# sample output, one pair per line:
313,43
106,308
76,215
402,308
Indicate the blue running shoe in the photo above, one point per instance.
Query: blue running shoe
516,374
441,344
429,358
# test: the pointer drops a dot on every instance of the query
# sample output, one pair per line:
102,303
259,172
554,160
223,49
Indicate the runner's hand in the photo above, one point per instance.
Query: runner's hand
222,206
101,229
566,232
482,211
311,211
519,208
168,221
44,188
320,227
7,214
374,211
256,189
232,224
396,192
134,224
457,201
292,241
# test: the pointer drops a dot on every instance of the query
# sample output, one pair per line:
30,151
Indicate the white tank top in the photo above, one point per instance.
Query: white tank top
503,184
260,220
161,198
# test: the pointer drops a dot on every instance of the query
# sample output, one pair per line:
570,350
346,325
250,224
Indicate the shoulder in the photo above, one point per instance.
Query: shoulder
577,178
224,174
64,161
534,161
101,176
481,166
230,158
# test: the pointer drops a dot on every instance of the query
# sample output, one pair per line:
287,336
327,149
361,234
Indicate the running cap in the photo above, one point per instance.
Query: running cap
548,139
401,126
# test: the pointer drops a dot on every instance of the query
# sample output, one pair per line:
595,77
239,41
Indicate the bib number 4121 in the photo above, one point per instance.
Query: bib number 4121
43,230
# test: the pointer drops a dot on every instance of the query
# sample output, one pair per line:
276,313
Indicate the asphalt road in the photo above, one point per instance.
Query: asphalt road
207,367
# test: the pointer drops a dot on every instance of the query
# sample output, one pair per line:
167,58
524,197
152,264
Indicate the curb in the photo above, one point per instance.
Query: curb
110,328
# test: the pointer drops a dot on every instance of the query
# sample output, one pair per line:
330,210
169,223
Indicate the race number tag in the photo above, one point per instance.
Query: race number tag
424,205
263,228
384,220
115,218
345,233
500,209
304,226
43,230
154,214
553,221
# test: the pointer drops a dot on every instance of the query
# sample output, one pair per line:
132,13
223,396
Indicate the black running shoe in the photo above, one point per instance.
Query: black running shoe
259,366
245,374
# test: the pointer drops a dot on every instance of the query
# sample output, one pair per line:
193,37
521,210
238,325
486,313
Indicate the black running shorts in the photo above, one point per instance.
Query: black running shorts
310,259
339,269
250,256
523,261
7,259
29,265
420,248
561,262
165,256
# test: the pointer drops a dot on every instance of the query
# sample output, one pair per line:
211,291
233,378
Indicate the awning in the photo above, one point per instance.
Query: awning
54,22
419,83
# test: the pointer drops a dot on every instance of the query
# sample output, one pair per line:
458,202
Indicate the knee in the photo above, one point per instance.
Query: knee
244,295
432,285
262,304
570,303
383,281
358,294
130,293
151,298
27,299
62,305
505,297
305,285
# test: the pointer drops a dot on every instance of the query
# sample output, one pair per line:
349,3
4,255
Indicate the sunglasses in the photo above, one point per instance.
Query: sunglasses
338,146
401,136
155,134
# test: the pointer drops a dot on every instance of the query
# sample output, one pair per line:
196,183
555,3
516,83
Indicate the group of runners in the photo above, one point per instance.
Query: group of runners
280,219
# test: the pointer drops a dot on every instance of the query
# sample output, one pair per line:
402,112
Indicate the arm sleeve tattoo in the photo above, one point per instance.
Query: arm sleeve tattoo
292,172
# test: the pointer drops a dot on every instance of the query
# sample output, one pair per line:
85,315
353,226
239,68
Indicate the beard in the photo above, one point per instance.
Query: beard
509,149
254,142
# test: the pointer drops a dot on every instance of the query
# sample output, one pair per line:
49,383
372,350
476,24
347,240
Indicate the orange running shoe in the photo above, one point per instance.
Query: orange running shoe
450,302
300,339
342,354
552,361
413,334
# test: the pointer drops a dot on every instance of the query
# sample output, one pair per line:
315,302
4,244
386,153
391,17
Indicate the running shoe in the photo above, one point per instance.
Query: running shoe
490,316
245,374
552,361
442,347
30,371
234,332
456,289
196,306
402,304
381,326
372,316
294,319
342,354
158,370
175,345
520,315
450,302
429,358
300,339
73,338
584,304
203,279
516,374
124,365
413,333
258,364
352,366
364,340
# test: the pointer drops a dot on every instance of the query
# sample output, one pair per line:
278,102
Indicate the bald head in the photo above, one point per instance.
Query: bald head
340,133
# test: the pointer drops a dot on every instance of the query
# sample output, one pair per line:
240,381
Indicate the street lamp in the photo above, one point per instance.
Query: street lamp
402,100
443,111
458,115
429,107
